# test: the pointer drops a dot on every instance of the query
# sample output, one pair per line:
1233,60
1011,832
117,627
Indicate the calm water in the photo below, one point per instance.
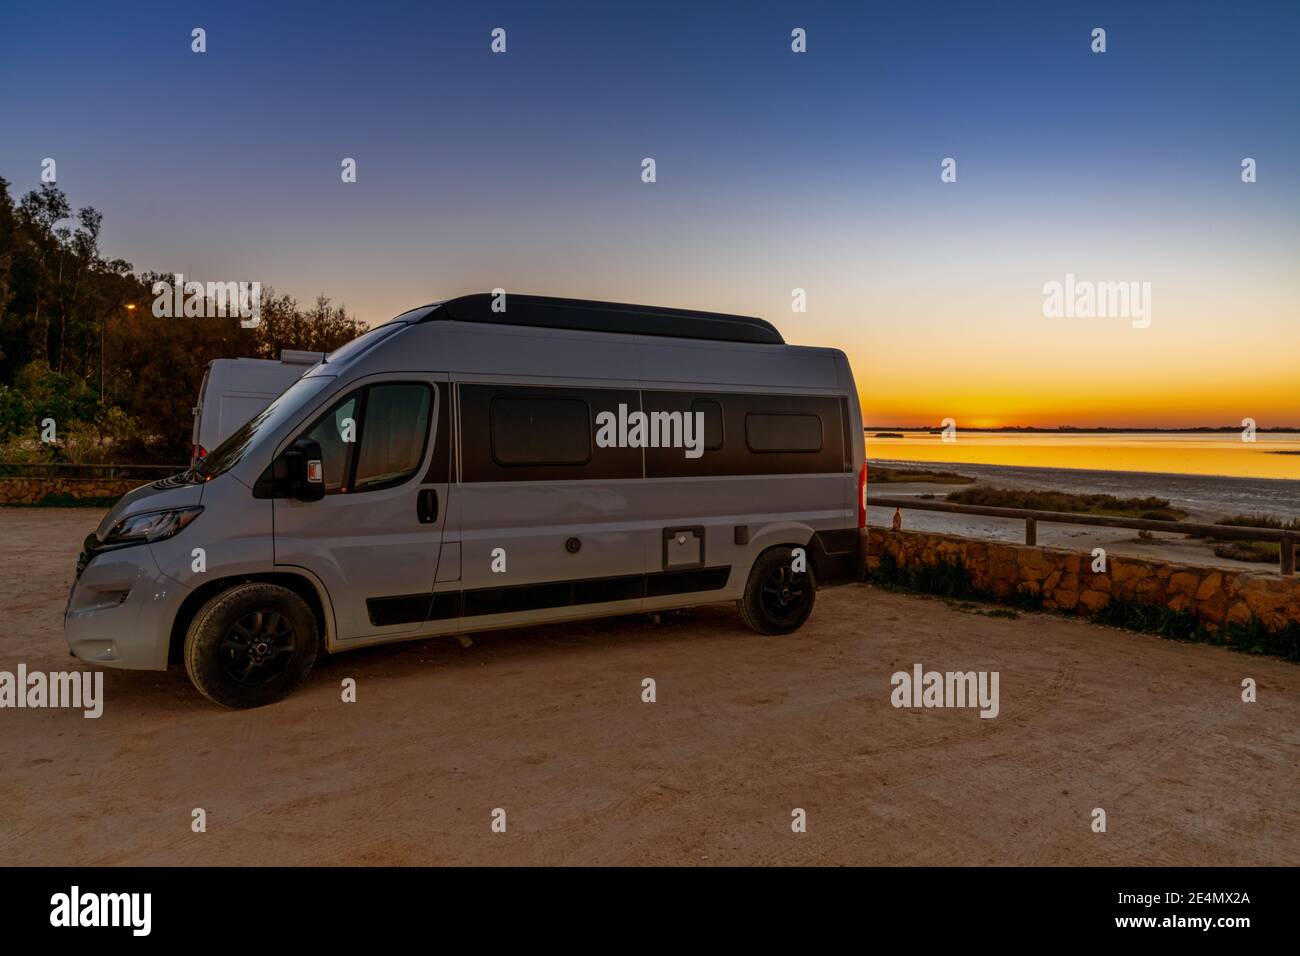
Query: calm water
1169,453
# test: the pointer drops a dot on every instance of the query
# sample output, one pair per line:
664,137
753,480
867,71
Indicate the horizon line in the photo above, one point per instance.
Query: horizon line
1080,428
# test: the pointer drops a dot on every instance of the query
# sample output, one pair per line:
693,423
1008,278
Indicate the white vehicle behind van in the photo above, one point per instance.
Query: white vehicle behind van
234,390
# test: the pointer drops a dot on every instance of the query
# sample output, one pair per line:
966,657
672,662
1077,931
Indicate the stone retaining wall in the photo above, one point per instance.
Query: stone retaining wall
31,491
1066,582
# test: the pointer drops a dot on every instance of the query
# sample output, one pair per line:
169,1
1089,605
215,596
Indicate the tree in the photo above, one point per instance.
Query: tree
322,328
65,328
38,214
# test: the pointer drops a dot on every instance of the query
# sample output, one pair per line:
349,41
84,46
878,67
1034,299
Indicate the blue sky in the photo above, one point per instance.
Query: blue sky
775,170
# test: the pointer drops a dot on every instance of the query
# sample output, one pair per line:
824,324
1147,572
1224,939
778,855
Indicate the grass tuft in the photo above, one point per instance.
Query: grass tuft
1153,509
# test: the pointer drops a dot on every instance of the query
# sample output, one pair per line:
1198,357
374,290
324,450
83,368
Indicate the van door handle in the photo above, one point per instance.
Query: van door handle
426,505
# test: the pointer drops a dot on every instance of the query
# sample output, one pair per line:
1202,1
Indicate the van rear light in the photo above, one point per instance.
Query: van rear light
862,496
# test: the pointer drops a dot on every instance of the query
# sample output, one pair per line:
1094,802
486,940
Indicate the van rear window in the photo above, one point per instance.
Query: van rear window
541,431
773,432
712,413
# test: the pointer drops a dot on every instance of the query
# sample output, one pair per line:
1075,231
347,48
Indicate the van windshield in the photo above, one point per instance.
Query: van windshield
231,451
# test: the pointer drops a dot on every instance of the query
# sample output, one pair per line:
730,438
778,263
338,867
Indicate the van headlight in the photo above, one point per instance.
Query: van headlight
149,526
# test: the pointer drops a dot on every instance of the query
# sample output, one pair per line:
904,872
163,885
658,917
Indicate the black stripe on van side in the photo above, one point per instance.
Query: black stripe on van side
444,605
399,609
684,582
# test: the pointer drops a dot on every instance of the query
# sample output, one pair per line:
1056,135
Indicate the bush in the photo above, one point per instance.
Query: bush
1150,618
944,578
882,475
1153,509
1251,638
1260,521
1261,551
100,441
1028,597
1243,549
39,393
27,451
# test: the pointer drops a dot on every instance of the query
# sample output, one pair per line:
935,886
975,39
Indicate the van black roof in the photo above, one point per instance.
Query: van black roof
584,315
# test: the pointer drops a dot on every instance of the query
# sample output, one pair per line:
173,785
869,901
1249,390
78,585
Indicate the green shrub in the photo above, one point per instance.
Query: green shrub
881,475
944,578
1002,612
1241,549
1153,509
1150,618
1027,598
1251,638
39,393
1261,551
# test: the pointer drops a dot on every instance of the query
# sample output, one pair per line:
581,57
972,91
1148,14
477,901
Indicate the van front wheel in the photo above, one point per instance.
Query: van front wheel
777,599
250,645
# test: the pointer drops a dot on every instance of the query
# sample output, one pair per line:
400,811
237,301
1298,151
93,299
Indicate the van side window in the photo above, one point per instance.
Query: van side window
712,412
336,454
754,434
782,432
540,431
393,432
374,438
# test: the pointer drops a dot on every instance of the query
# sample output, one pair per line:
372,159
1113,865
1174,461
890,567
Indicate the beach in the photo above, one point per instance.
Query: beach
1206,499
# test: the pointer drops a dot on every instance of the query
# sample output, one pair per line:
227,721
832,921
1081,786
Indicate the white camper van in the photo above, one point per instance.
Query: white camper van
465,469
234,390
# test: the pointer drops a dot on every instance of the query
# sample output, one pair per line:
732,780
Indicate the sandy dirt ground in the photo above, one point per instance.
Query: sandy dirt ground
548,723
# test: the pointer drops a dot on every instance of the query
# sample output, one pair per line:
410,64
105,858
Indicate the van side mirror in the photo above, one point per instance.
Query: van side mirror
304,470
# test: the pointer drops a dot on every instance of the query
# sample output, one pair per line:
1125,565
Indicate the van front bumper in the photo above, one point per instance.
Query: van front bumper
120,610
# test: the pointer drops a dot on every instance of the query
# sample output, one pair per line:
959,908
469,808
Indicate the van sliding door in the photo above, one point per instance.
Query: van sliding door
545,517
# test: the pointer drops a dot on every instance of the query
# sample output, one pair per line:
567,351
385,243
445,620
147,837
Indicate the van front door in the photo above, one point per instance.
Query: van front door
374,539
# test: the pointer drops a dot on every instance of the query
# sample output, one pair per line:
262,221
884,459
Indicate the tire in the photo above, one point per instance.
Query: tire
251,645
777,600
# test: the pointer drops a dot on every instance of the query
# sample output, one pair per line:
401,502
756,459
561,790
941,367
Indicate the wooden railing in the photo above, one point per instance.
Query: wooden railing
1287,540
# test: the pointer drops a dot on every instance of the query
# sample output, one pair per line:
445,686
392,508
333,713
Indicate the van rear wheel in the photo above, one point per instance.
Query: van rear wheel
777,599
251,645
